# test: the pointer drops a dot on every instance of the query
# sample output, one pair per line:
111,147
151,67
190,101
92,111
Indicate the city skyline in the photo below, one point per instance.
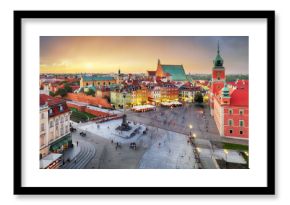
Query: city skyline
137,54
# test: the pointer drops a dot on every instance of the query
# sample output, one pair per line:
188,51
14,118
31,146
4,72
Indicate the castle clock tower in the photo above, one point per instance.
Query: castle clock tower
218,71
218,77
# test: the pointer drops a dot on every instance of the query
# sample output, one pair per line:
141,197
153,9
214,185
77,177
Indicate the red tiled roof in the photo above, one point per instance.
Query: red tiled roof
240,84
240,97
96,101
151,73
50,100
74,87
56,105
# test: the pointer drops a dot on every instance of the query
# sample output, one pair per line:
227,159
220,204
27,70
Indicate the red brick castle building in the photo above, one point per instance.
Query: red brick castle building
229,102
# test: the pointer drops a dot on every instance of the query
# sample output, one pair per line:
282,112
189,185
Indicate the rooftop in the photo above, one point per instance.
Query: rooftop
176,72
97,78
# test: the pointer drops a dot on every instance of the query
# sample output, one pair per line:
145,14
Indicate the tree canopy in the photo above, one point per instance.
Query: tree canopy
198,97
90,92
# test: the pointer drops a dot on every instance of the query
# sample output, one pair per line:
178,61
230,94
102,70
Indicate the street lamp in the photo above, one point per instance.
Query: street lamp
198,149
190,127
226,152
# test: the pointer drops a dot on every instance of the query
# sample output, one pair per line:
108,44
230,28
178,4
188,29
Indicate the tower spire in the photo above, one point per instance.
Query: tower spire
218,61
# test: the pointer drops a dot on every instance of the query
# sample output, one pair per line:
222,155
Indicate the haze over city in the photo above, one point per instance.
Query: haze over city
137,54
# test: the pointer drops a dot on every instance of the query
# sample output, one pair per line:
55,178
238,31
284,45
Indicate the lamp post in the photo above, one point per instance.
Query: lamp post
226,153
194,137
190,127
199,161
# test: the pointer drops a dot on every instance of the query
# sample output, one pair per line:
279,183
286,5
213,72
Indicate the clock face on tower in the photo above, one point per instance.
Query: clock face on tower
218,75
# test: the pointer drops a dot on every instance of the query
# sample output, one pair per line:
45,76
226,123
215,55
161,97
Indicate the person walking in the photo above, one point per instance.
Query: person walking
77,143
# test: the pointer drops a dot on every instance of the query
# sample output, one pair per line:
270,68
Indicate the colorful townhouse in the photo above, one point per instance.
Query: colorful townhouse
57,125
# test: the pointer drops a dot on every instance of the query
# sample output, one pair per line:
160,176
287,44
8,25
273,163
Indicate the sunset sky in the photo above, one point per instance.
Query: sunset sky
136,54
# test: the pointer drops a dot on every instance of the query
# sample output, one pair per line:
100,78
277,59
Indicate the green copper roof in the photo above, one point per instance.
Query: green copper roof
218,61
91,87
97,78
226,91
176,71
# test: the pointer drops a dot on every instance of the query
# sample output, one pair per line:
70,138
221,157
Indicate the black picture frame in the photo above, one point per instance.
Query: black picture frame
268,190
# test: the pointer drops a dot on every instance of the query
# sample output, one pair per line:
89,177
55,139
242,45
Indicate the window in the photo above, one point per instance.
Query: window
231,131
42,139
230,111
42,115
51,124
231,122
42,127
241,123
60,108
241,111
61,120
61,130
241,132
50,111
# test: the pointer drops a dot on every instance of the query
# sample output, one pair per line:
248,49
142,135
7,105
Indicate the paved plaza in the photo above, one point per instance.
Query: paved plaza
161,142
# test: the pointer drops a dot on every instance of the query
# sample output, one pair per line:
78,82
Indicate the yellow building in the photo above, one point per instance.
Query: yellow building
97,80
140,96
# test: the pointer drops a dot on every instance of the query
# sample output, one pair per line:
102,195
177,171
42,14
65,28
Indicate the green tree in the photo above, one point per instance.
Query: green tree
61,91
67,88
90,92
51,93
198,97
